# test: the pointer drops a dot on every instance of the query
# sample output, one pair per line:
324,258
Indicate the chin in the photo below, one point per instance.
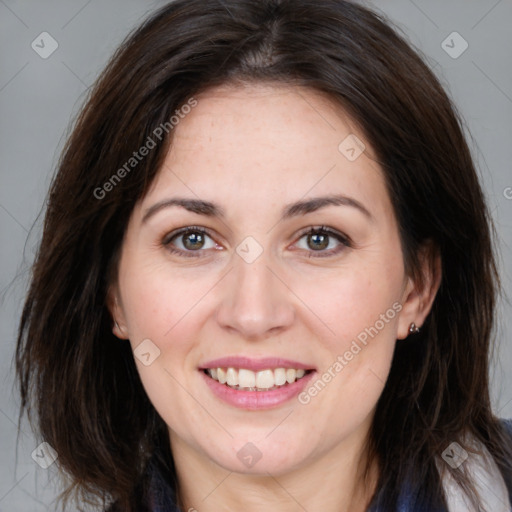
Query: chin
260,457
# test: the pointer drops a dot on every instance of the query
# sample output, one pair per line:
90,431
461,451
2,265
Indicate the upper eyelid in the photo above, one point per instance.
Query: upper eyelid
184,230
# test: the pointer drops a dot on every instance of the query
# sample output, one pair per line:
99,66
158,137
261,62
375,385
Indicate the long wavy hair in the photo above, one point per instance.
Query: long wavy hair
79,384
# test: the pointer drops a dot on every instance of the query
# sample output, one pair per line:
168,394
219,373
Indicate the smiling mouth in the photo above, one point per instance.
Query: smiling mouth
242,379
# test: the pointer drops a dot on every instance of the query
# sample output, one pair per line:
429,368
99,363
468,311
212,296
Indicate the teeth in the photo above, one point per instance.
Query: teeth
232,377
280,376
246,379
265,379
221,375
290,375
255,381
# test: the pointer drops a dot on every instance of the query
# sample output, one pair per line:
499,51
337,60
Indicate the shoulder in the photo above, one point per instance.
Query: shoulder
486,476
494,491
507,425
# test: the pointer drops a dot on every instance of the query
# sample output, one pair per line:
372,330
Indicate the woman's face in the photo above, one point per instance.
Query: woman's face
221,278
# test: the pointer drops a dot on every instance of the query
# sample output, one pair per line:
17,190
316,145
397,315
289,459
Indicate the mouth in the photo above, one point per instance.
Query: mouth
243,379
256,384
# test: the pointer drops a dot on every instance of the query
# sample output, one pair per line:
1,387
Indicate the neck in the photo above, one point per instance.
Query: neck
333,482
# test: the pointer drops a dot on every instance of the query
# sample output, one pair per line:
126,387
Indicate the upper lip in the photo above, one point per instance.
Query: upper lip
254,364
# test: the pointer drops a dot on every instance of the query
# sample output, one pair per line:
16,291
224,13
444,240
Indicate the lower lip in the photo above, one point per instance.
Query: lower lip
256,400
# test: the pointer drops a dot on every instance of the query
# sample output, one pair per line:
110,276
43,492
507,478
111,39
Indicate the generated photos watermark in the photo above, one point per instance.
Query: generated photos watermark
137,156
343,360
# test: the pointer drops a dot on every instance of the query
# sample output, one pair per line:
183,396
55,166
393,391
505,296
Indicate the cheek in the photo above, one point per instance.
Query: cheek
361,309
169,309
156,300
353,304
171,319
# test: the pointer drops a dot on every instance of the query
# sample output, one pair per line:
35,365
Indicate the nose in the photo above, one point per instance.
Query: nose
256,302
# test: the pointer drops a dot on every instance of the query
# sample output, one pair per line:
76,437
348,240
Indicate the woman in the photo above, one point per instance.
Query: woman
266,277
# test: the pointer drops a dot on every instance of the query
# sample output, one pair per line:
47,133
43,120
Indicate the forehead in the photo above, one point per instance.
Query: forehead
275,116
266,144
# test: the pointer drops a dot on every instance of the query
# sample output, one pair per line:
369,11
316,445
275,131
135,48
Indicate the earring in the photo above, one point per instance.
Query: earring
413,329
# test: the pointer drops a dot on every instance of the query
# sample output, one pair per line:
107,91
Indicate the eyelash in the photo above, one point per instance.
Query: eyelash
343,239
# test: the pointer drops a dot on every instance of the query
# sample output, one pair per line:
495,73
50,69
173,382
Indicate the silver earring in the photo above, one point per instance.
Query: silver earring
413,329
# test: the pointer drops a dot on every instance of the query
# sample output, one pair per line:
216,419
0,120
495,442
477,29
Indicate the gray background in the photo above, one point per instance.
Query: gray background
39,97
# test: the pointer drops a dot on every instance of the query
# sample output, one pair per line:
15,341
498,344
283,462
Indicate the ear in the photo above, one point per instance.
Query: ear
115,308
420,292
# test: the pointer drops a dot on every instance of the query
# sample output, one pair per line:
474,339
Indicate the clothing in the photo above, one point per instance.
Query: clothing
494,492
489,483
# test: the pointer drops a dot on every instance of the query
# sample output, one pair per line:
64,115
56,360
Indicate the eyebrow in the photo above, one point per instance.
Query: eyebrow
303,207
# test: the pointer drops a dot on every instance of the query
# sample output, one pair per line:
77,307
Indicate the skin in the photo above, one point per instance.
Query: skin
253,150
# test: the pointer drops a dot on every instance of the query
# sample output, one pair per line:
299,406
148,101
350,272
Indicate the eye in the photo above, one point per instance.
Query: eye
189,240
324,241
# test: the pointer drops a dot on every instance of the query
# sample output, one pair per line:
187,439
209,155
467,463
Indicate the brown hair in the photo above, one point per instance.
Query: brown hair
91,406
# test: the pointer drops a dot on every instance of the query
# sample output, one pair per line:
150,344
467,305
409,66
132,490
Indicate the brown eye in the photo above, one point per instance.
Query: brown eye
318,241
323,241
188,241
193,240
